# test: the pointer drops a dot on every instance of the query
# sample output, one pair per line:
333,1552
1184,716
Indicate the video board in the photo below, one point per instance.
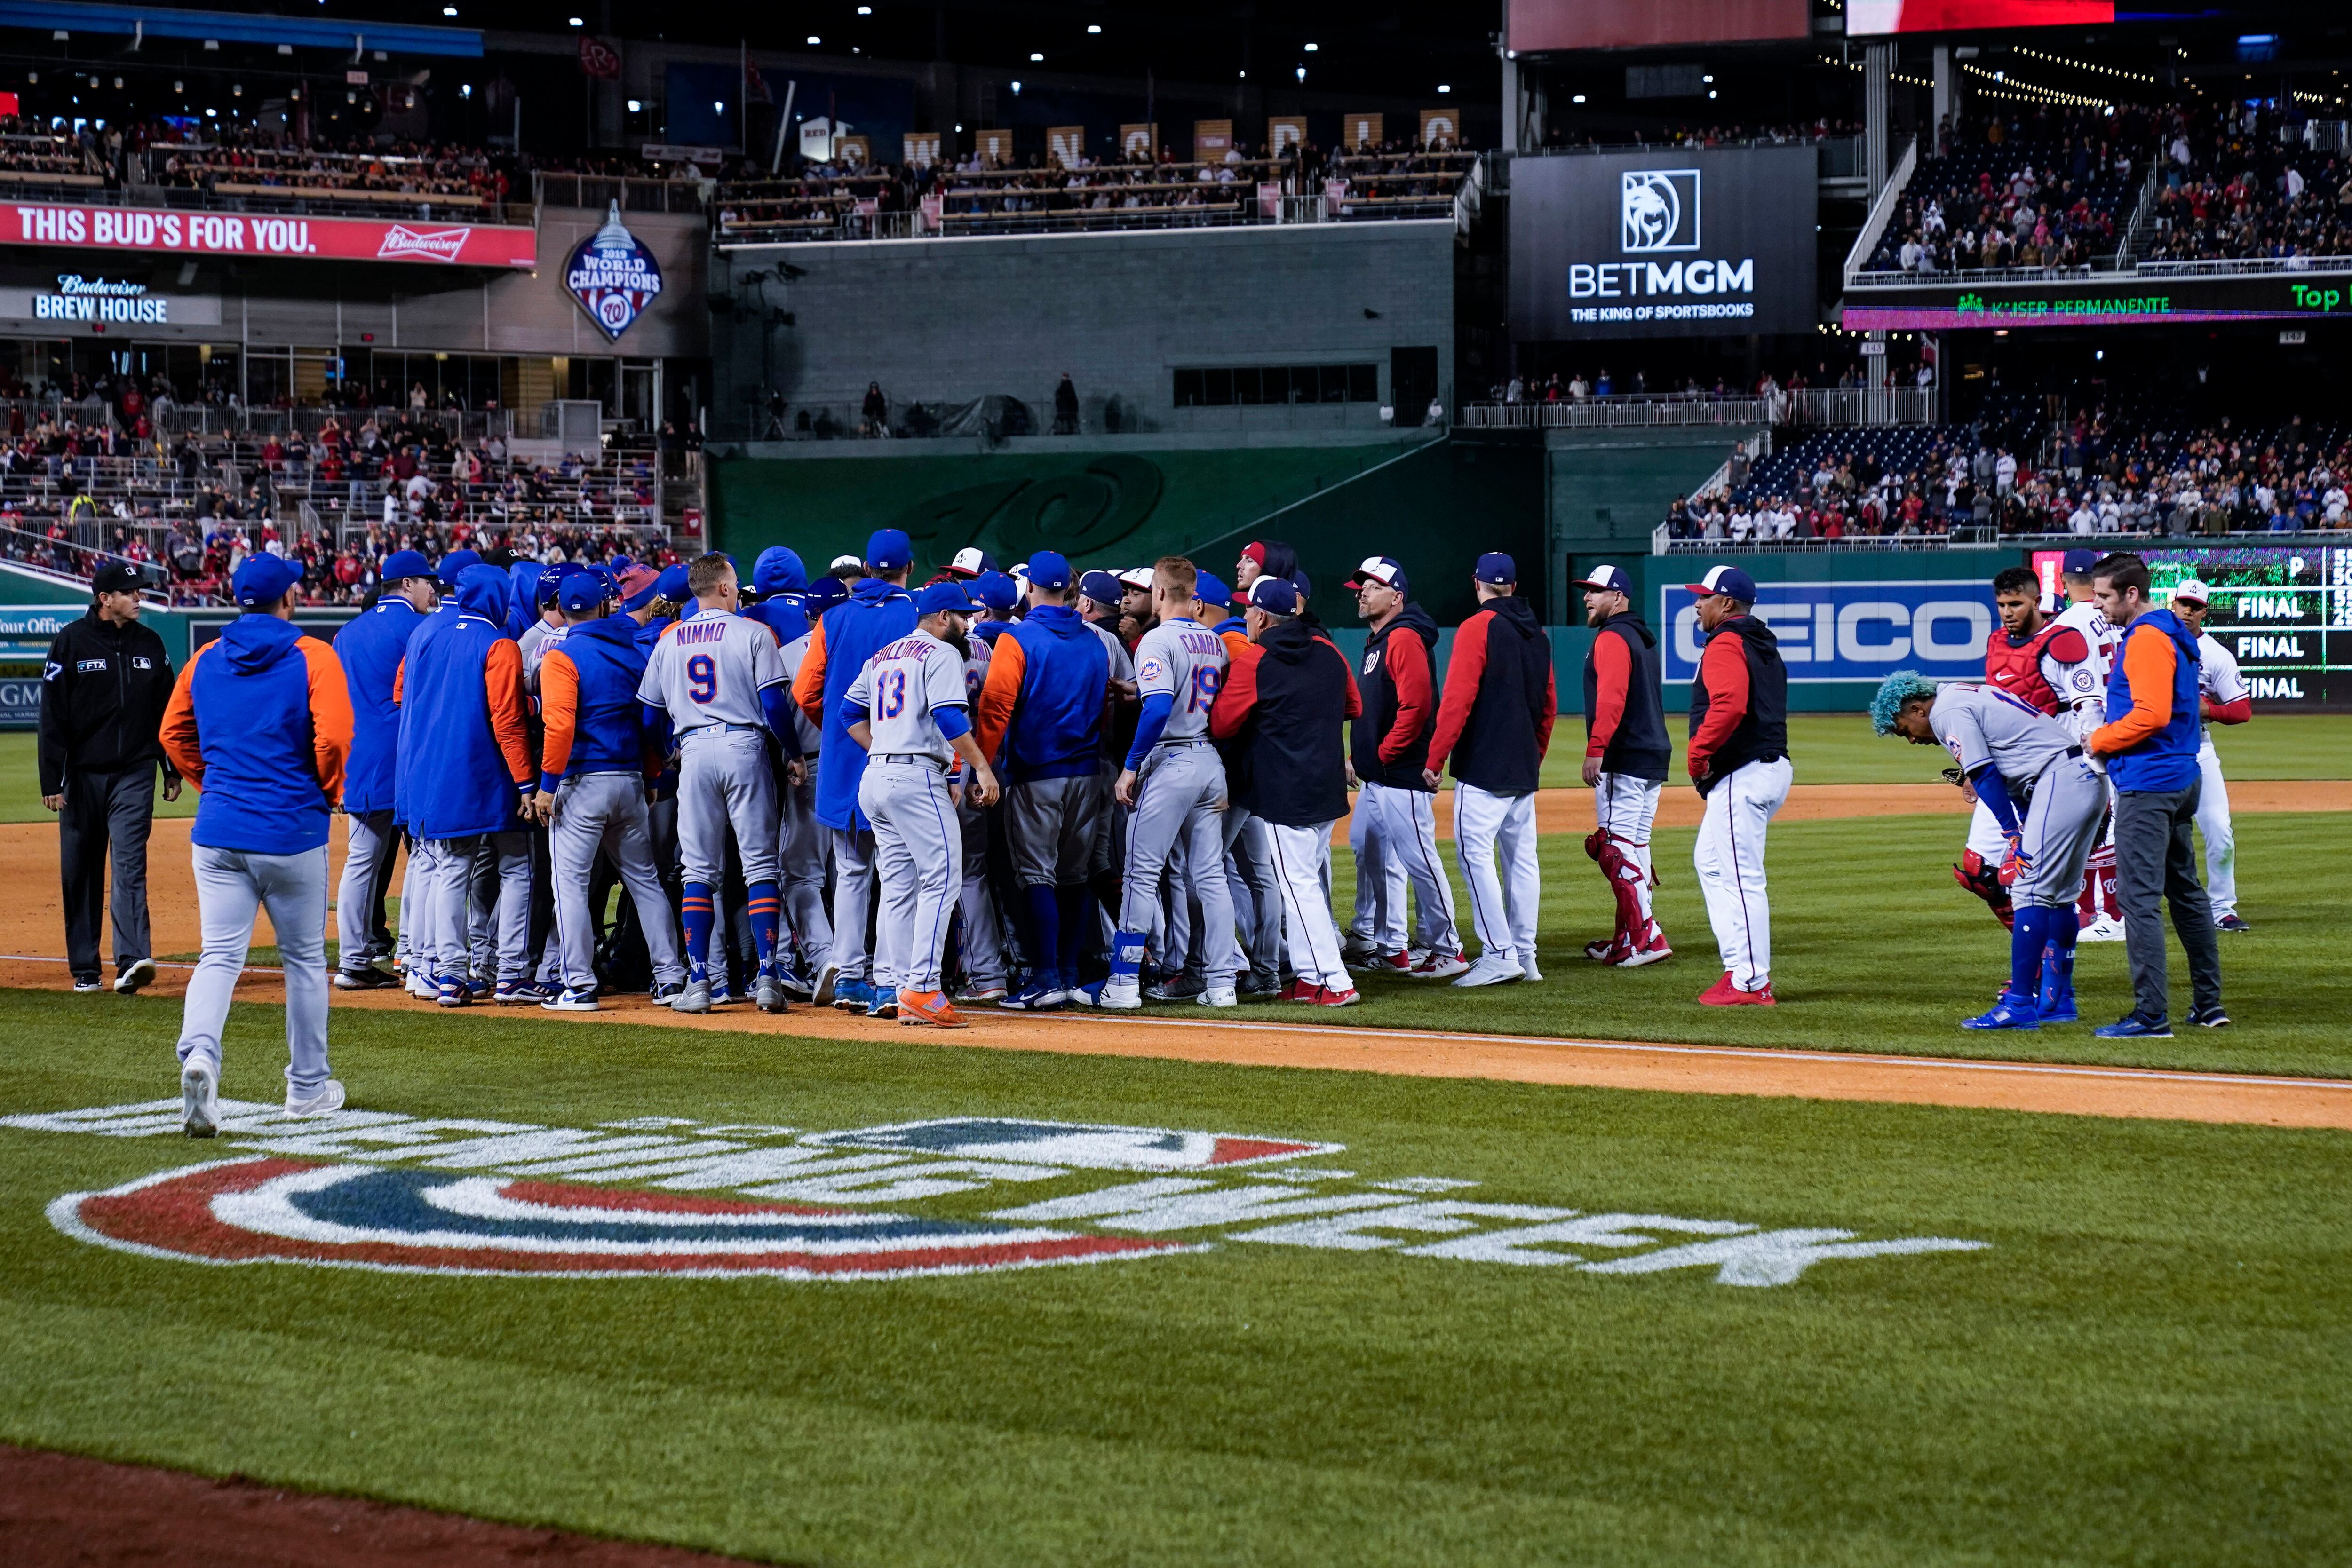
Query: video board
1678,242
1539,25
1870,17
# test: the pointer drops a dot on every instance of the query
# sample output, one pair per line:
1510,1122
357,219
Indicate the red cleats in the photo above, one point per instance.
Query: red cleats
1723,994
1609,950
1325,997
1649,952
1300,990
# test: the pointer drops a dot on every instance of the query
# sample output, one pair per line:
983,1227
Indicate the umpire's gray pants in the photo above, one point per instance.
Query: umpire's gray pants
917,857
102,812
452,875
606,812
375,844
2156,860
853,901
231,885
1256,893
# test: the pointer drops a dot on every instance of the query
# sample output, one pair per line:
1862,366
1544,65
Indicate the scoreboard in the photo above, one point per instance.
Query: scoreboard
2287,615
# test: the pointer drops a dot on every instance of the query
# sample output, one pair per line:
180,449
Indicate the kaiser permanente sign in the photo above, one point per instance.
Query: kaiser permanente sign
247,234
2101,299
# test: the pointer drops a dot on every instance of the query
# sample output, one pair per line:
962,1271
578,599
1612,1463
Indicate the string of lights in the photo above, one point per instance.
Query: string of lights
2083,65
2035,93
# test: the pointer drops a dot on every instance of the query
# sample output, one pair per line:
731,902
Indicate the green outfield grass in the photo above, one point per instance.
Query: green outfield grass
1830,748
2147,1364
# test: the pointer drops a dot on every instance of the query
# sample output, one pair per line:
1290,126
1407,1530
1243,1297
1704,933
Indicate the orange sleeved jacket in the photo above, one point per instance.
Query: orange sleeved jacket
260,722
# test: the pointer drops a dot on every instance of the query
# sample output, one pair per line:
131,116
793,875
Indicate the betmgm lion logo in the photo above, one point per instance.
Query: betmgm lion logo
1658,211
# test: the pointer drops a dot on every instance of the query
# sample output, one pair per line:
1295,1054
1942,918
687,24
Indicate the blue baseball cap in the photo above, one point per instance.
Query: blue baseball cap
1497,568
548,588
402,563
2079,562
1385,570
996,591
264,579
671,585
453,566
944,596
888,549
823,595
1727,580
1275,596
1303,584
1606,580
1051,573
1102,587
579,591
1211,590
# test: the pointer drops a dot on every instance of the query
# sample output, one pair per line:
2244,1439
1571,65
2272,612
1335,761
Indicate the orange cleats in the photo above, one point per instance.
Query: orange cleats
930,1008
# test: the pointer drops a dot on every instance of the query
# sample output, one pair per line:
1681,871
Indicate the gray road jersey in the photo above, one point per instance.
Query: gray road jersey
900,688
1981,724
710,668
1187,661
537,639
792,653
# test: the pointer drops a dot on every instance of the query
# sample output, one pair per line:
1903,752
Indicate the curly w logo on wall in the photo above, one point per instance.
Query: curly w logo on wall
1076,513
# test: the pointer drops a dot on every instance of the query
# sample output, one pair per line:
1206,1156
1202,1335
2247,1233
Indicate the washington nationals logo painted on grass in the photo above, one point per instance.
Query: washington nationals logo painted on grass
268,1210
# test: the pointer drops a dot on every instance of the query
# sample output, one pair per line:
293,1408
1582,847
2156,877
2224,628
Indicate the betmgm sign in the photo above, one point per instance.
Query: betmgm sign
1682,242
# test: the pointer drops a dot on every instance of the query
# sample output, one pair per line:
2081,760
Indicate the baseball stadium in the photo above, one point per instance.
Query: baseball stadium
975,781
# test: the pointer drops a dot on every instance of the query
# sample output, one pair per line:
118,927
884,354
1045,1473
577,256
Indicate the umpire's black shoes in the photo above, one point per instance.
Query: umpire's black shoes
2209,1017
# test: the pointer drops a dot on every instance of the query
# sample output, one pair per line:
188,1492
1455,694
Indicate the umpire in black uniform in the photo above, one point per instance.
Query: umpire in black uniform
102,699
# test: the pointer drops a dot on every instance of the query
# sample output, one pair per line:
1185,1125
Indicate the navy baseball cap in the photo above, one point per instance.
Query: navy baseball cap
403,563
547,588
1275,596
671,585
2079,562
1051,573
1497,568
823,594
1211,590
944,596
1607,580
1727,580
116,577
996,591
453,566
1385,570
580,591
1102,587
264,579
889,549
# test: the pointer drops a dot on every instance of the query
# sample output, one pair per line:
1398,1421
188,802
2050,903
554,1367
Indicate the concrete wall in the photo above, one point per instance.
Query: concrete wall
946,320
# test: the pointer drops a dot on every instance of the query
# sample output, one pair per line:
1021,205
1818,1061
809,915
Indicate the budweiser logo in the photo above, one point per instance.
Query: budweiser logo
441,244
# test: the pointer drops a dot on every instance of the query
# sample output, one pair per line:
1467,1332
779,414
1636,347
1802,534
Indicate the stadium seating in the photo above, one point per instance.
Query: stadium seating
2014,205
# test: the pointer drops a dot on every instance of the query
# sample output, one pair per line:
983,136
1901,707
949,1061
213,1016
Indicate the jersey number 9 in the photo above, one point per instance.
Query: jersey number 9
892,691
702,679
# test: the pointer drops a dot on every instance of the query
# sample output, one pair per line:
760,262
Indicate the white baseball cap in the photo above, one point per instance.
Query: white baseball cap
854,565
1136,576
970,562
2193,590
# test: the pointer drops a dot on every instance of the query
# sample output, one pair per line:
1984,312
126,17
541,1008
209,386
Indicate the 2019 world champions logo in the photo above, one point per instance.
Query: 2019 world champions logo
613,277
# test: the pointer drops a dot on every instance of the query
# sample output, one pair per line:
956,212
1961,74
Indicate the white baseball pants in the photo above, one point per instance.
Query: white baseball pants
2220,838
1729,858
1985,837
1503,908
231,885
1394,835
1626,809
1306,907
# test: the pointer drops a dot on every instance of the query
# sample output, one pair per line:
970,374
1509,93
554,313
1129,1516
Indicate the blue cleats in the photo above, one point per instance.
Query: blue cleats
884,1002
2012,1011
1042,994
853,996
2131,1026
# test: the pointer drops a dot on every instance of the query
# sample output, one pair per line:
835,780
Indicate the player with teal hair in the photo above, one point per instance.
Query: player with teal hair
1895,691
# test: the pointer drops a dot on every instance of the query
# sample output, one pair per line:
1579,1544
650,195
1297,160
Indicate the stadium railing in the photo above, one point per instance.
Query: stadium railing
635,193
1973,537
1803,406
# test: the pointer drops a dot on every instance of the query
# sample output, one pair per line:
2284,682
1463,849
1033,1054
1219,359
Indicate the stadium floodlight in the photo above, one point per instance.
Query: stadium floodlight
448,10
576,21
1016,89
866,10
718,106
1036,59
1578,99
1444,87
636,106
1312,47
814,40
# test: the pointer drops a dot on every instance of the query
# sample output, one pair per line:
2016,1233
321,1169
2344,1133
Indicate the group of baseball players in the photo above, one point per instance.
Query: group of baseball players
2057,747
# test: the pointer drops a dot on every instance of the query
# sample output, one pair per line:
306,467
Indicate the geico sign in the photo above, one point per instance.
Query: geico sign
1854,632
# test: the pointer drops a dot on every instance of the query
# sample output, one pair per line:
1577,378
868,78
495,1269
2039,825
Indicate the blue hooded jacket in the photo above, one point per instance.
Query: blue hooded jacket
782,582
1061,671
877,614
461,735
370,646
260,720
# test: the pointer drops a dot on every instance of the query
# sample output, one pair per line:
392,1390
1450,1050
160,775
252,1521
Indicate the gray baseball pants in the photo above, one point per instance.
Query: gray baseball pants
608,811
1256,891
983,928
918,856
1179,796
853,900
1394,834
373,845
2156,862
801,860
724,777
231,885
451,880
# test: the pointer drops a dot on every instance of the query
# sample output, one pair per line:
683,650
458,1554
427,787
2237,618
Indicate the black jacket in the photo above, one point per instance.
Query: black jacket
102,697
1501,669
1295,770
1378,680
1761,733
1640,748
